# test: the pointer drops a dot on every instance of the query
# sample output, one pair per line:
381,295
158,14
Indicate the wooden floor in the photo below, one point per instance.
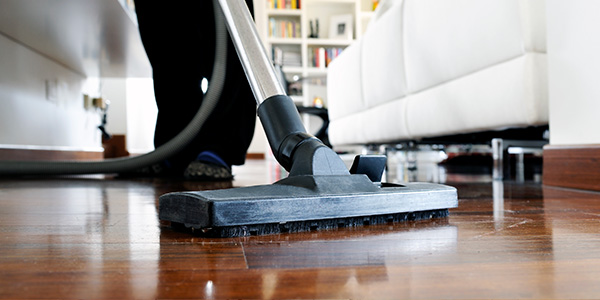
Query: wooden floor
100,238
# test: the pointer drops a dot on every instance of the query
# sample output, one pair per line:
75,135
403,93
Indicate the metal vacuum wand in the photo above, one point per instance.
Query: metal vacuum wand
291,144
257,65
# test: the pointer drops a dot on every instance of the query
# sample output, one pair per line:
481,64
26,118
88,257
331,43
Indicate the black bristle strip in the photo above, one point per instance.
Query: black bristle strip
300,226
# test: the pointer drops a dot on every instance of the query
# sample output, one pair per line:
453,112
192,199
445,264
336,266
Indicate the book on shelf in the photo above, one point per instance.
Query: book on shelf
286,58
292,59
284,28
284,4
321,57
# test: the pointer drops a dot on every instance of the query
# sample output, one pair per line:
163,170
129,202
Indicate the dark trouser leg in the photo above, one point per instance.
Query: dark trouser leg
179,41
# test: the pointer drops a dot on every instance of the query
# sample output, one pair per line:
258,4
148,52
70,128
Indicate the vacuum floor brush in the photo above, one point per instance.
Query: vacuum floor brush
320,192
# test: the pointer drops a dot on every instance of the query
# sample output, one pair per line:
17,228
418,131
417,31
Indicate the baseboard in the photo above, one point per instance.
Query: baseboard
572,166
29,153
36,153
255,156
115,147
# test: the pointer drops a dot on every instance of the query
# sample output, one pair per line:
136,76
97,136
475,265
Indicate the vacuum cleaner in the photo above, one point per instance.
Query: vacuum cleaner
319,193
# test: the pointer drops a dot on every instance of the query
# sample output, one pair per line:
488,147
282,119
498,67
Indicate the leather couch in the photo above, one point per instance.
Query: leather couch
429,68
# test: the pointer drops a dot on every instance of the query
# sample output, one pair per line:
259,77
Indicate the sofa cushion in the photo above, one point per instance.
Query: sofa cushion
533,21
383,123
444,40
345,74
382,58
511,94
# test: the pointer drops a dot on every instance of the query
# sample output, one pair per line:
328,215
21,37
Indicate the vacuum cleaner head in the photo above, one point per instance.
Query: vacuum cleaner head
304,203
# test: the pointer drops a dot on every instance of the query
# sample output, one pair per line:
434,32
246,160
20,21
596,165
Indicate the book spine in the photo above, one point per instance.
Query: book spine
298,34
322,60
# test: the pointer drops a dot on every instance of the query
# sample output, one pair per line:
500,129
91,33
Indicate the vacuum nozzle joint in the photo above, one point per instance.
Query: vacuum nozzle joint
289,145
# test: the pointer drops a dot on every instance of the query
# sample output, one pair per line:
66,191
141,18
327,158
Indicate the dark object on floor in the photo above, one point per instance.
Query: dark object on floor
469,163
322,113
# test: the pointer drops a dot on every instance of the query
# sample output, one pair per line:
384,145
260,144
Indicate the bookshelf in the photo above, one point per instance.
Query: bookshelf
287,37
285,28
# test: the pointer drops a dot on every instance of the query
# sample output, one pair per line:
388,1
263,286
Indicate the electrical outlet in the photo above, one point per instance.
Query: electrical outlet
99,103
87,102
52,90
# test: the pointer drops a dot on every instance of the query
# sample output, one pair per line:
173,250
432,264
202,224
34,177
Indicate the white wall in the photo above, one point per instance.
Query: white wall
574,71
141,115
132,111
115,91
259,142
28,116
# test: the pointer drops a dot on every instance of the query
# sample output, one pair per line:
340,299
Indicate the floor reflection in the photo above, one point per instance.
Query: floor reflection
358,256
85,238
411,166
81,230
439,165
367,246
498,198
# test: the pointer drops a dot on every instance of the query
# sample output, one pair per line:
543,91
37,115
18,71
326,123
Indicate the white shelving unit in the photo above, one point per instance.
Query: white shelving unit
299,42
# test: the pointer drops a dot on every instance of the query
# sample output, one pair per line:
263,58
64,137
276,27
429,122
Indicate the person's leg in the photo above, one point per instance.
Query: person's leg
230,128
179,41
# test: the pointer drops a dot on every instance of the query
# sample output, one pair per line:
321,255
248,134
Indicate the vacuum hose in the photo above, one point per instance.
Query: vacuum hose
119,165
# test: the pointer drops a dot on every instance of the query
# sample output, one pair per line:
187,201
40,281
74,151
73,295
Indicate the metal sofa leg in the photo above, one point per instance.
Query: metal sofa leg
498,156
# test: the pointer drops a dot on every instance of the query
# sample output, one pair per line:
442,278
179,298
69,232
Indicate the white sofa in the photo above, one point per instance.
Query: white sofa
431,68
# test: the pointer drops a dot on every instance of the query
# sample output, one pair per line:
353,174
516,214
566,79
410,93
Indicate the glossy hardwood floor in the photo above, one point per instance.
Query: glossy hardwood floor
96,237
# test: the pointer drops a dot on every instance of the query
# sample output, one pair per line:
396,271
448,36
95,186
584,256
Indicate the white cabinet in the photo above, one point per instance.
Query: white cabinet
94,38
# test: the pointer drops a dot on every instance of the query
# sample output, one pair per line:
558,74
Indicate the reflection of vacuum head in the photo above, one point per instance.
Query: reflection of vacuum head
384,245
319,193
